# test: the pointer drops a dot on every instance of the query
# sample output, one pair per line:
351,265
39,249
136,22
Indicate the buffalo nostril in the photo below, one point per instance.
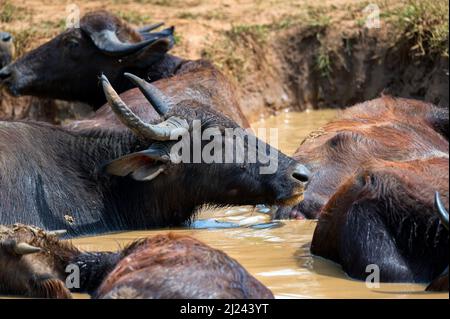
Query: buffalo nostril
5,36
301,173
5,73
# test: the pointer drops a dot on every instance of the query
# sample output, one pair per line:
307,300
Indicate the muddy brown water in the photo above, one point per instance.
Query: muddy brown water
275,253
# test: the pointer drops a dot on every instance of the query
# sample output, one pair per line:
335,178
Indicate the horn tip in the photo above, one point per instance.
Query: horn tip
133,78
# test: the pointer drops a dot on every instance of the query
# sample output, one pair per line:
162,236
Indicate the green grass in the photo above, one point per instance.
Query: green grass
188,15
423,23
171,3
177,38
323,63
259,32
9,12
317,17
133,17
22,40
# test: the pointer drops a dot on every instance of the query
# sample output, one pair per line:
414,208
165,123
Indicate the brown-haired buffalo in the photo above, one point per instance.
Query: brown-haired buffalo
35,263
99,181
195,80
375,171
179,267
387,129
67,67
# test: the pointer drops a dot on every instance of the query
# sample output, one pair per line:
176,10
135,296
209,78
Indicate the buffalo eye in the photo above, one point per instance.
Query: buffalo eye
72,44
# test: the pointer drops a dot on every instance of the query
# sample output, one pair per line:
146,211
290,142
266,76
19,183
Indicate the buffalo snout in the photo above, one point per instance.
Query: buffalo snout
5,73
301,174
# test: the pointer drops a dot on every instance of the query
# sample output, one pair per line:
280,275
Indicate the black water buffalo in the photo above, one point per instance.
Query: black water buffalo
10,107
100,181
36,263
67,67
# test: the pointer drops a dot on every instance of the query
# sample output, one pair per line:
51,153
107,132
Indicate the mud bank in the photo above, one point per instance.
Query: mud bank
38,109
317,67
281,54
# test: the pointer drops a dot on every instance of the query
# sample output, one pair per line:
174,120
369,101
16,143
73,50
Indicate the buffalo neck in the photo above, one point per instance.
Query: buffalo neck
128,204
93,268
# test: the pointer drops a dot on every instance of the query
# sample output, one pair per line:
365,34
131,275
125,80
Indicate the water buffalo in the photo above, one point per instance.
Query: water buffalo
81,57
67,67
31,107
36,263
180,267
385,216
33,262
387,128
102,181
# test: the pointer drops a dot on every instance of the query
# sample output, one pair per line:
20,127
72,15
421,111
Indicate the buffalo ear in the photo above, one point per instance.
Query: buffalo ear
150,54
141,166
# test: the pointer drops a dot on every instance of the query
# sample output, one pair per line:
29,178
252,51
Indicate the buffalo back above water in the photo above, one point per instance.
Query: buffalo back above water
195,80
180,267
385,215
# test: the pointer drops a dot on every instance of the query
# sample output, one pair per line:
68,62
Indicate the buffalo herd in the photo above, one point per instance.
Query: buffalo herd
375,178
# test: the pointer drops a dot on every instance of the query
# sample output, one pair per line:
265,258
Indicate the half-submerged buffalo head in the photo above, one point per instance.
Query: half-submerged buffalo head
31,262
197,155
67,67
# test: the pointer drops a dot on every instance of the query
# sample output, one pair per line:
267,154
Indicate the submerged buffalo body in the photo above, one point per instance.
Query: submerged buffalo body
33,263
97,181
179,267
375,171
385,216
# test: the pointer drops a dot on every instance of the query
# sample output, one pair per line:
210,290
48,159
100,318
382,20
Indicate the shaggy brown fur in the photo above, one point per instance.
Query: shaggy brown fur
164,266
391,129
180,267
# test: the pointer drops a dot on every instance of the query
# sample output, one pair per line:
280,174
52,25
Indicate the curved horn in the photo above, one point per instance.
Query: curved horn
150,27
161,132
166,33
57,233
26,249
156,98
108,42
443,214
